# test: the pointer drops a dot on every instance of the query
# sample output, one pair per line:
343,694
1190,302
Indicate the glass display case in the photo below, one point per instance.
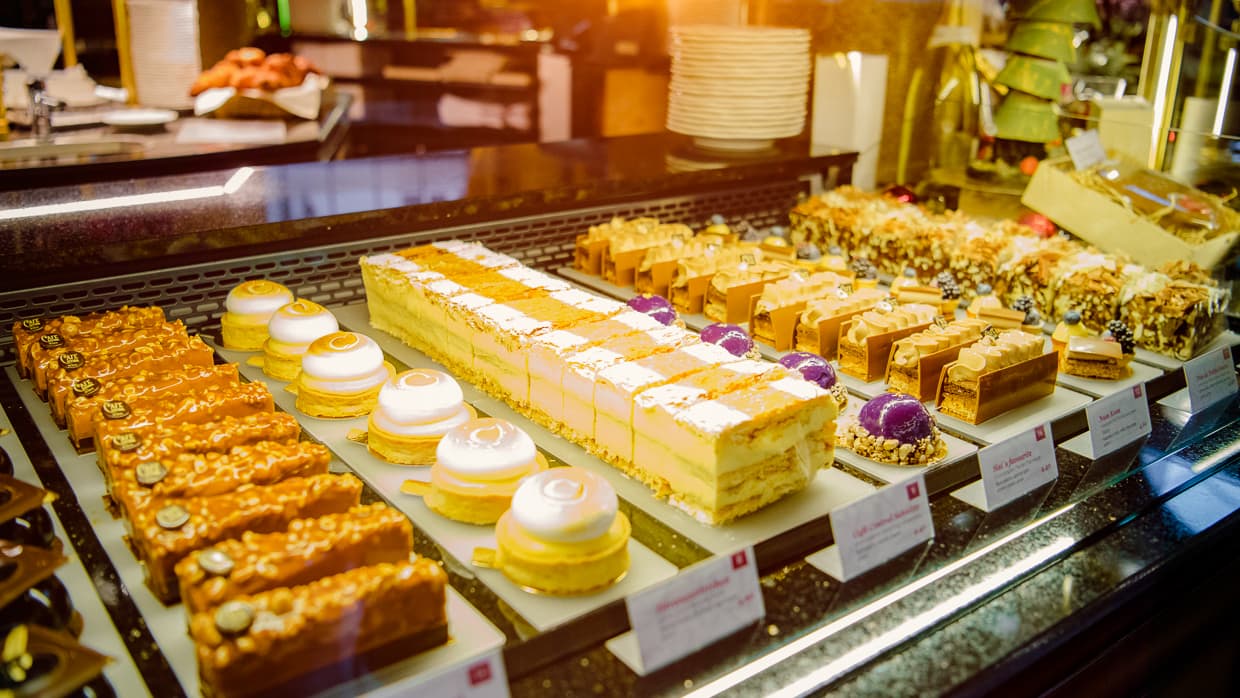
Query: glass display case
1043,593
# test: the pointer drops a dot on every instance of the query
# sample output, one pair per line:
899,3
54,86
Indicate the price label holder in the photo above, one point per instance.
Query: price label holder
481,677
1115,421
1211,378
1086,149
876,529
702,605
1011,469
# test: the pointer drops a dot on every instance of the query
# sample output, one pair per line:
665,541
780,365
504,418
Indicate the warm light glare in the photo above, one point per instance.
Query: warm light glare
1224,93
232,186
1164,77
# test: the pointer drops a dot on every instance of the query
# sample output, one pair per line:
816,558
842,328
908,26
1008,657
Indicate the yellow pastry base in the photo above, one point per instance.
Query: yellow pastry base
315,403
562,568
405,450
473,503
242,336
282,367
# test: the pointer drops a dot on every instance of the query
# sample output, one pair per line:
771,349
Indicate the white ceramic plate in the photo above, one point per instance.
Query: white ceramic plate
139,118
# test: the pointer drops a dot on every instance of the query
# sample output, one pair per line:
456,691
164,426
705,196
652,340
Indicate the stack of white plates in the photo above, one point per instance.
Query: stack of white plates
164,44
738,88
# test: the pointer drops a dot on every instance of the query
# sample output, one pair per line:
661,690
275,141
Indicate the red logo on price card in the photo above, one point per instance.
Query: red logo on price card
1136,391
739,560
1039,433
1227,353
479,673
913,490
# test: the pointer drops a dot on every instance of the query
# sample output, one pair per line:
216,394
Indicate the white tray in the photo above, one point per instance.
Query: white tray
472,635
830,489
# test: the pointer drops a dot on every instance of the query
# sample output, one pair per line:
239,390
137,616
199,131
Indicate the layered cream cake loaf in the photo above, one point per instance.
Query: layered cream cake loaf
723,458
545,352
545,358
617,385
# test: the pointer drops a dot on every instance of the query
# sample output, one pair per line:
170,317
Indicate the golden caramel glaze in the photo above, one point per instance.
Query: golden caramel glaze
492,284
299,629
43,359
81,410
256,508
74,325
152,355
209,474
557,313
310,549
157,442
211,404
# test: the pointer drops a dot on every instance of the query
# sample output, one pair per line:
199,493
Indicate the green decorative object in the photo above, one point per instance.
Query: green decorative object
1071,11
1035,76
1051,40
1024,117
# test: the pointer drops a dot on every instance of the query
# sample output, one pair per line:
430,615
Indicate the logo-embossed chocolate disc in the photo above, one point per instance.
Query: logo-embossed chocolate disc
51,340
115,409
126,441
85,387
234,617
71,360
172,517
32,324
215,561
150,472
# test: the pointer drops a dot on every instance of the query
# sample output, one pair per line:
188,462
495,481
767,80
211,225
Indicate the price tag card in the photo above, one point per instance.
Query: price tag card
1117,420
1086,149
1211,378
1017,466
873,530
482,677
703,604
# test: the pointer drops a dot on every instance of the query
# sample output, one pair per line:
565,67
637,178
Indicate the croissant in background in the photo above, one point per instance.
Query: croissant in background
252,68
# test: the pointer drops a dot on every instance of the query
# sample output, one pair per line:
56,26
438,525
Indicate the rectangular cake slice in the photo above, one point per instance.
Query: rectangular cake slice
161,536
296,631
310,549
501,334
617,385
581,370
29,331
43,358
720,459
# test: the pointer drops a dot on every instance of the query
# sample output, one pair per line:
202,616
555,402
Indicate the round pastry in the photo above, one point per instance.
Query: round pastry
816,369
656,307
341,374
247,309
564,534
415,409
478,466
732,338
291,330
895,428
909,279
866,275
985,298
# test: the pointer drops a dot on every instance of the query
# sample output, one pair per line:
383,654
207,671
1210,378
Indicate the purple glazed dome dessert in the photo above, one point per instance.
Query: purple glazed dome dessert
895,428
816,369
730,337
656,307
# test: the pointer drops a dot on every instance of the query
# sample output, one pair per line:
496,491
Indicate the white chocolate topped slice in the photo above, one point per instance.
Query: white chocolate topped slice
294,326
344,363
876,321
797,288
565,505
486,450
420,402
830,307
934,338
991,354
253,302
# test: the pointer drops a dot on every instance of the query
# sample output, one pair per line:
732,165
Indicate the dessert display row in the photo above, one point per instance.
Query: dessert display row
715,434
282,570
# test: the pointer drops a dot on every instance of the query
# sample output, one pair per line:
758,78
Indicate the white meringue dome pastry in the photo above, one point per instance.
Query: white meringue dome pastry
478,466
290,331
564,534
415,409
341,375
247,309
